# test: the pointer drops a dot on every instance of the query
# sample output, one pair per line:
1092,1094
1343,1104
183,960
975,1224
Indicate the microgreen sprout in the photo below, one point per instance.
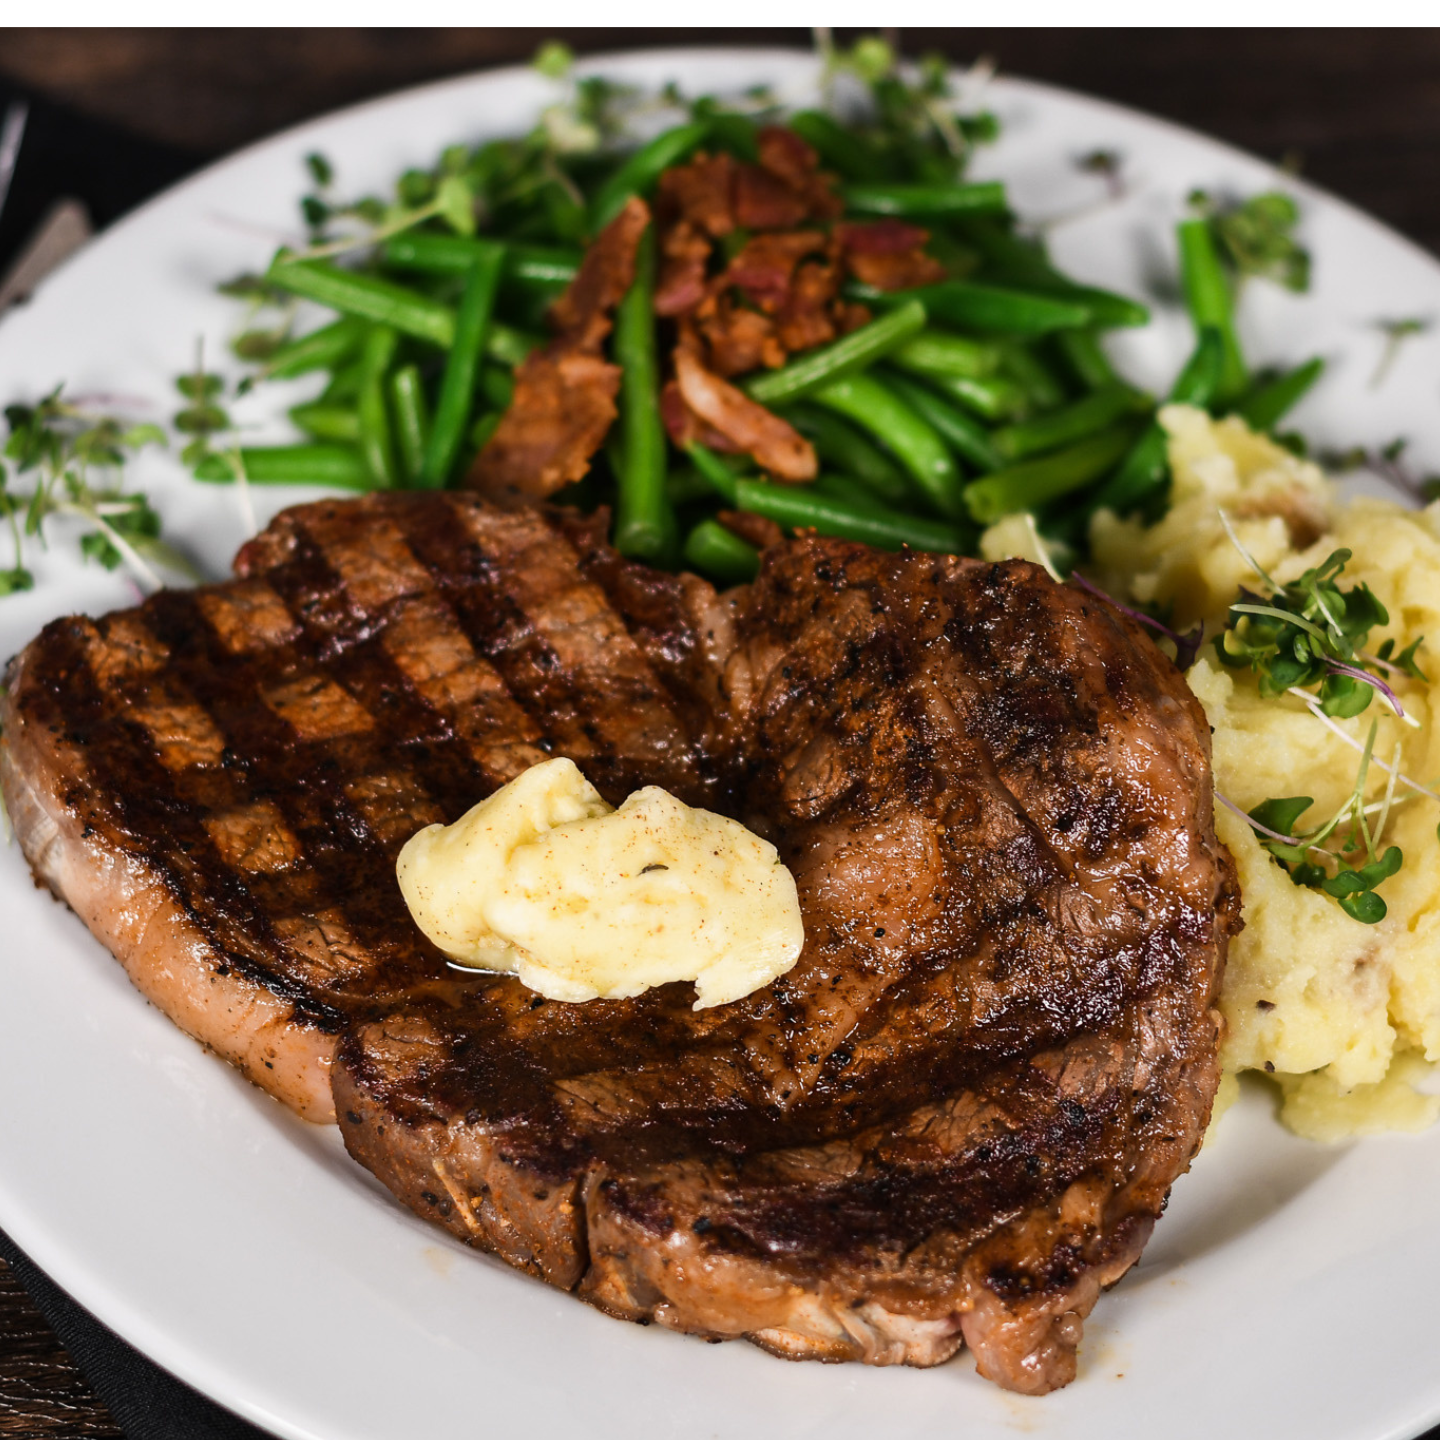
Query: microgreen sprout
75,460
1390,463
1311,632
1396,333
914,122
1187,645
1256,237
1352,870
1306,634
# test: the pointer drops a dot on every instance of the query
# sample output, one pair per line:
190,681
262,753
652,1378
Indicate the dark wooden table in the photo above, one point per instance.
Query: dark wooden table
1358,110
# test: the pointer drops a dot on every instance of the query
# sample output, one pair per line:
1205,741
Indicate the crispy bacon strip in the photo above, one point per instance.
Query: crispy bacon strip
773,444
564,401
682,285
766,264
582,315
701,193
754,529
889,254
563,408
786,156
738,339
684,426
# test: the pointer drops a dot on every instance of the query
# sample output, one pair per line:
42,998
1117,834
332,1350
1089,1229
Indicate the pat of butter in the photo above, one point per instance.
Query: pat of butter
584,902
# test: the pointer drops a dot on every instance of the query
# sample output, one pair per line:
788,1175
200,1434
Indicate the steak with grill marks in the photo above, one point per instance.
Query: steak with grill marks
956,1119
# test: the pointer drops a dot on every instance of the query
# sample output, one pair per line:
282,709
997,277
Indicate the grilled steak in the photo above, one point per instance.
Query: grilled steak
958,1117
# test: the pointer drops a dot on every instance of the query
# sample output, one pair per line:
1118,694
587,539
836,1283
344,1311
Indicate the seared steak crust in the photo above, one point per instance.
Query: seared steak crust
958,1116
219,781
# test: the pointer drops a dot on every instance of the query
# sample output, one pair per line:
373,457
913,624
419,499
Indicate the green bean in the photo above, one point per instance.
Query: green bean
1142,474
1198,382
412,421
322,349
643,169
994,398
1108,311
987,308
431,253
483,429
684,487
327,422
642,514
840,148
340,465
1033,483
716,473
935,352
1009,254
497,386
986,197
1207,294
376,442
457,387
508,345
1022,365
407,311
1086,359
1265,406
966,437
732,132
851,491
910,438
716,551
1071,423
1020,262
837,442
367,296
344,383
854,351
799,507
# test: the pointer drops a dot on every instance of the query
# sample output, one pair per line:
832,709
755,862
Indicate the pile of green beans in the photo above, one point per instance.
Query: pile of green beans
954,405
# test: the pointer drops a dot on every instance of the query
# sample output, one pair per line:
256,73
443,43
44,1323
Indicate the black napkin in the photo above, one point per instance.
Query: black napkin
148,1403
64,153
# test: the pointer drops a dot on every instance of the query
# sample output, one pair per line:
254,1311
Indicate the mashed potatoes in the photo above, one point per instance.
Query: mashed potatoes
1344,1015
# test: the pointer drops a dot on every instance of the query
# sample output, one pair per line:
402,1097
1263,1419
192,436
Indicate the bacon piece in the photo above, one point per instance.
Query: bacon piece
581,316
764,267
684,426
805,320
785,155
681,287
757,530
849,317
774,445
738,339
563,408
564,401
701,193
765,202
889,254
782,152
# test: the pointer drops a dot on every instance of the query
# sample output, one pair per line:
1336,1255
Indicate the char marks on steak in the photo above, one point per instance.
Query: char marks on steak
956,1118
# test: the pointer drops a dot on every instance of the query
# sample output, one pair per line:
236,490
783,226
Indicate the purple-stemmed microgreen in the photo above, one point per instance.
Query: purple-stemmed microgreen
1187,645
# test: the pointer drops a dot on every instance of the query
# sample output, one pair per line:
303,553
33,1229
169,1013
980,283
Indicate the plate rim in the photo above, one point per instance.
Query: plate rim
133,1325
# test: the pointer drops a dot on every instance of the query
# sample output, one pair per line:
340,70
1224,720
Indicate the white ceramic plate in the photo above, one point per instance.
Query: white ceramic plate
1288,1292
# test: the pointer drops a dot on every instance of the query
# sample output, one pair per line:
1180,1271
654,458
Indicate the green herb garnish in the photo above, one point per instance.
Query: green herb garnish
1312,632
1358,867
75,460
1256,237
